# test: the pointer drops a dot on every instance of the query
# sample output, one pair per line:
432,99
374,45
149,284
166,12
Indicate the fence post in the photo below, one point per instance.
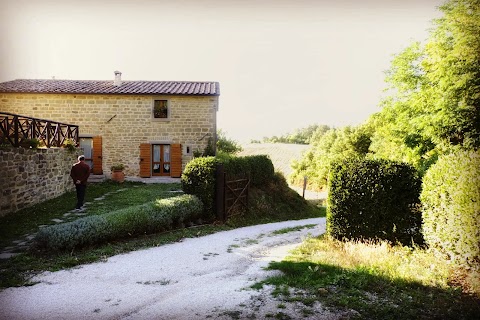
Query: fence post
304,185
249,179
58,130
47,130
15,134
31,129
220,192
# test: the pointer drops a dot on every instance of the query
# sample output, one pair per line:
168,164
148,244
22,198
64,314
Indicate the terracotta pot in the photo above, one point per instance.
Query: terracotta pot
118,176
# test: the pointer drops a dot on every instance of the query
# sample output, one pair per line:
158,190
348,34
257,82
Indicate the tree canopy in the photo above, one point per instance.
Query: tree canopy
299,136
227,145
327,147
431,106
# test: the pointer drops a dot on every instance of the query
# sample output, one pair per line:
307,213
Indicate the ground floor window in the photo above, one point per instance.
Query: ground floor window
161,159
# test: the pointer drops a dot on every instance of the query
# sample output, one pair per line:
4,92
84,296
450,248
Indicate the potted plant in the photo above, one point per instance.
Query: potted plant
70,145
4,144
30,143
117,172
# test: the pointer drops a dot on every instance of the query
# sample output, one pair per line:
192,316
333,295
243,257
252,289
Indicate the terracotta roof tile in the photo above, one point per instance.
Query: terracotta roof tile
107,87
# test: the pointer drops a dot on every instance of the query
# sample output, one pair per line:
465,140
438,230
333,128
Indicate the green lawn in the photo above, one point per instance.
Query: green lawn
375,281
17,270
26,221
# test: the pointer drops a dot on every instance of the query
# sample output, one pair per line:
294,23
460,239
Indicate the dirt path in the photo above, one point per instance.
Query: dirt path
206,277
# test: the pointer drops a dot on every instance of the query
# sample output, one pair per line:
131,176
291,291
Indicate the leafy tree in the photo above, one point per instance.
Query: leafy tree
226,145
431,107
334,144
434,92
299,136
452,67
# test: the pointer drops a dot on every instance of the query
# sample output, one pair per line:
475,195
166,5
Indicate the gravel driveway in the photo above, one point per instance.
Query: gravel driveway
198,278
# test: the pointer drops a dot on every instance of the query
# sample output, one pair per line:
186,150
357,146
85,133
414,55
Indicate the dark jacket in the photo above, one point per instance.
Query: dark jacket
80,171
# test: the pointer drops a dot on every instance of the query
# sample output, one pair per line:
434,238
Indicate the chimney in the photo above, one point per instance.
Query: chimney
118,79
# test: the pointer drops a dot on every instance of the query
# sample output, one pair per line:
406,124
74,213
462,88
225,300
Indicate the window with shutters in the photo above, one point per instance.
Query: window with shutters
161,160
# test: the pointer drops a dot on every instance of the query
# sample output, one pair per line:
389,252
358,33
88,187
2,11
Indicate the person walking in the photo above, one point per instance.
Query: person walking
80,173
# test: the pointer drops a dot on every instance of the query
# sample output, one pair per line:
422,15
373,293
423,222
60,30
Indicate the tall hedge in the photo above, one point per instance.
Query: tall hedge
259,167
374,199
198,178
451,207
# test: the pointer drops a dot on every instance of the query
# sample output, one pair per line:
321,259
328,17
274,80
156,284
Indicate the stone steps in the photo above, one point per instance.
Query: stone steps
96,178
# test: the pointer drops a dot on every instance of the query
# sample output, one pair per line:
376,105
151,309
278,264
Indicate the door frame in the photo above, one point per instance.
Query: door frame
90,161
96,153
161,163
146,158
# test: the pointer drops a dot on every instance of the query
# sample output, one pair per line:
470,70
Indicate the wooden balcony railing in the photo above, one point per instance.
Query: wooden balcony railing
16,129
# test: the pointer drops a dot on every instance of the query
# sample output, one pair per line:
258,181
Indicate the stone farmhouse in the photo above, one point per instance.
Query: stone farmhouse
153,128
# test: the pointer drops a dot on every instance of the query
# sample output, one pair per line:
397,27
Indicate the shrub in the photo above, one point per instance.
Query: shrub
159,215
117,167
234,166
451,207
226,145
80,233
30,143
373,199
262,170
259,167
70,145
198,178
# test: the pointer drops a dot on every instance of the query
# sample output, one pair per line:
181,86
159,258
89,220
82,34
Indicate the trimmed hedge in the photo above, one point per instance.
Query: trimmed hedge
451,207
259,167
159,215
198,178
374,199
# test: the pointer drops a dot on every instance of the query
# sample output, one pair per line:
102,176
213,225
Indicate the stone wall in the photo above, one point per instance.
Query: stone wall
29,176
124,121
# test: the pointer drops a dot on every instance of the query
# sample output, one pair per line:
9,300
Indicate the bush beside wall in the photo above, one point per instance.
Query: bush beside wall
451,208
259,167
160,215
374,199
198,179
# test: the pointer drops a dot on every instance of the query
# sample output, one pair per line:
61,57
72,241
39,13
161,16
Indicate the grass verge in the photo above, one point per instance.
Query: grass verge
373,281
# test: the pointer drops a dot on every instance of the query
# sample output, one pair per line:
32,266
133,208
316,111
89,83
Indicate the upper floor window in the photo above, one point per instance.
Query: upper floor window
160,109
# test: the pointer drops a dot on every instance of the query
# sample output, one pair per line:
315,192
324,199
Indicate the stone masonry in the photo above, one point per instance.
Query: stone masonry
29,176
124,121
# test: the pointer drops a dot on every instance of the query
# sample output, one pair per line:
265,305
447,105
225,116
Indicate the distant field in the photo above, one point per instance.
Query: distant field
281,154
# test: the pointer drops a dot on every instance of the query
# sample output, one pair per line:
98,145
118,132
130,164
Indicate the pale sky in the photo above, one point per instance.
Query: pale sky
281,64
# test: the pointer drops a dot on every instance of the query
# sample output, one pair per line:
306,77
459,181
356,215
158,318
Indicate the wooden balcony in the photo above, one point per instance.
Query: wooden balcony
16,130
